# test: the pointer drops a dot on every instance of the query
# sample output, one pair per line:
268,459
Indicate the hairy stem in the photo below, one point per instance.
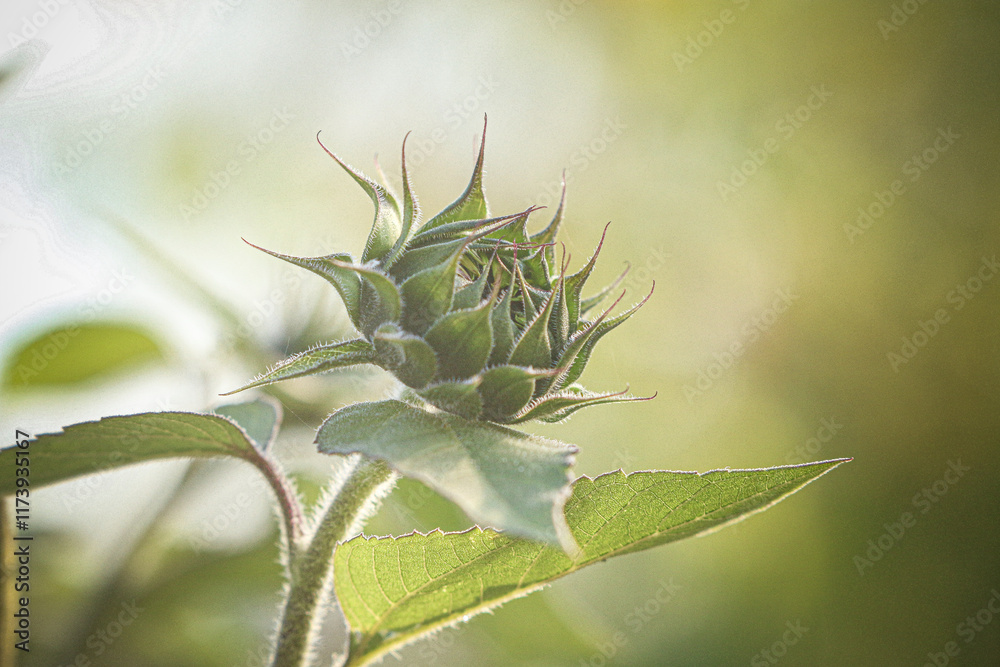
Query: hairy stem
291,510
367,481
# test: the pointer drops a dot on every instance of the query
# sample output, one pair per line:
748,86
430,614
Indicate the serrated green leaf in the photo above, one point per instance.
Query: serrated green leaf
471,205
113,442
260,418
409,357
387,225
462,340
499,477
394,590
319,359
69,354
331,268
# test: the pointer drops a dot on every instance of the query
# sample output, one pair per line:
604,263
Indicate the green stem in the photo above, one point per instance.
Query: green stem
367,481
291,510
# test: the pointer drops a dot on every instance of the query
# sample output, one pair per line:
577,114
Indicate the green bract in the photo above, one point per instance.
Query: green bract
471,312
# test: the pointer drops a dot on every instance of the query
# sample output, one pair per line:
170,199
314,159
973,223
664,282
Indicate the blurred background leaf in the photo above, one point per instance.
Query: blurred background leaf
72,354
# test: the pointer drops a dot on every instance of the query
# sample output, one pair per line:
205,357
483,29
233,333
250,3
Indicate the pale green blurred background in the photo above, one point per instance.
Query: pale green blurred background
651,108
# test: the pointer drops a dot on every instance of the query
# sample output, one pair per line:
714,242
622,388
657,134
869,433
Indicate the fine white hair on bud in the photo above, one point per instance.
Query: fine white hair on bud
470,311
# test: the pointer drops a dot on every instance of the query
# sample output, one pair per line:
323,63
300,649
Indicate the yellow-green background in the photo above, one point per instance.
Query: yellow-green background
551,76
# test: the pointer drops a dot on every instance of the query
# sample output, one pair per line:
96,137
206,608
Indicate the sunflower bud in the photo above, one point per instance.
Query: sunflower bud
469,311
